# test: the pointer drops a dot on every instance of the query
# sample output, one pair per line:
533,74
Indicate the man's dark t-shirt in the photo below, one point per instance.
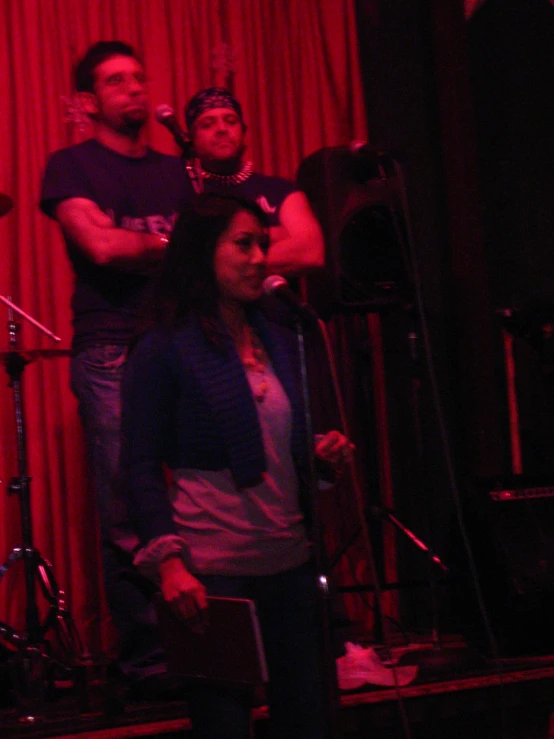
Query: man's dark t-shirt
142,194
268,192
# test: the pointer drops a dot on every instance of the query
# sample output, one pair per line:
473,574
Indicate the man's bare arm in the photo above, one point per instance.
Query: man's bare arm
297,245
102,242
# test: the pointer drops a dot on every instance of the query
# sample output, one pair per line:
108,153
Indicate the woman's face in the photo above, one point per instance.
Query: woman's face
239,259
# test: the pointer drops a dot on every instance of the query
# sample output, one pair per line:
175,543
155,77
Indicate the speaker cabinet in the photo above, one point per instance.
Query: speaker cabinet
357,198
511,531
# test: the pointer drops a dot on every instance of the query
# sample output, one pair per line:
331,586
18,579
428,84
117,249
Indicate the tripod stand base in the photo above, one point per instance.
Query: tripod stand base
28,672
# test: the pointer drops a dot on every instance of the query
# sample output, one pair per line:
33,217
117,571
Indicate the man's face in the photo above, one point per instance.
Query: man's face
121,96
218,136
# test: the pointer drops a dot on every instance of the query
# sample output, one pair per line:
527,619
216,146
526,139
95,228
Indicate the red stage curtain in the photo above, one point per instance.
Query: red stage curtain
296,72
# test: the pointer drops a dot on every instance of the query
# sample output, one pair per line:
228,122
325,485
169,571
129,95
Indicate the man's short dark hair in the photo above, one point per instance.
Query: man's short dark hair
98,53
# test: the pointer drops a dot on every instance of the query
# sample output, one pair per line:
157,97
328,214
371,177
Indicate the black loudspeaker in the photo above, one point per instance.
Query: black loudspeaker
356,195
511,530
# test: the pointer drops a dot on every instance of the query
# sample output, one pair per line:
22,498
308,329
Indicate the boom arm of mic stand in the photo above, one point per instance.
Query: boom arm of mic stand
389,516
29,318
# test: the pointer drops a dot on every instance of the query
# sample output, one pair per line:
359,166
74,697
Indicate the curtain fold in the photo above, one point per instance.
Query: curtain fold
297,75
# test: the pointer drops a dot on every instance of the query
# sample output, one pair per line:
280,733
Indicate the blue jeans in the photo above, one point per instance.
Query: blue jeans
287,607
96,375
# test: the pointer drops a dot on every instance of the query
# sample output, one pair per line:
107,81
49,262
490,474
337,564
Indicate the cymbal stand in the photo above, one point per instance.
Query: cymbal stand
31,644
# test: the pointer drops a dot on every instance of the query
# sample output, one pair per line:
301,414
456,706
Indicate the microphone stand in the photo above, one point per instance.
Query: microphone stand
166,117
422,487
194,171
368,512
32,647
330,686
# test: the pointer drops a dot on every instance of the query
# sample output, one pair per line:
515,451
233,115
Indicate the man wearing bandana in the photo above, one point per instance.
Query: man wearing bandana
217,130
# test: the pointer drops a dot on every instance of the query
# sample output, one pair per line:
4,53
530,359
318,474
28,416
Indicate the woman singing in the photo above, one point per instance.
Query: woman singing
212,396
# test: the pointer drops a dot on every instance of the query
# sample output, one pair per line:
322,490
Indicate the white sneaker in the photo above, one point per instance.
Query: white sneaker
363,665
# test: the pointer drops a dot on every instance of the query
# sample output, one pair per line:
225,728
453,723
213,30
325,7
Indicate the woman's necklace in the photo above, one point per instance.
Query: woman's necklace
255,359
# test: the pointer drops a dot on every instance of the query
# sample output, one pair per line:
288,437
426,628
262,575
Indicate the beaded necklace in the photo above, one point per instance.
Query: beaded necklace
257,362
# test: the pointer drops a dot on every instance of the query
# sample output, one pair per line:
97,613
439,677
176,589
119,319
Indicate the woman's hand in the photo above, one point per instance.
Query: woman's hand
185,594
334,448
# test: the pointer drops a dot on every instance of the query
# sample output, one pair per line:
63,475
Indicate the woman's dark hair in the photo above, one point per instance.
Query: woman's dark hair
187,283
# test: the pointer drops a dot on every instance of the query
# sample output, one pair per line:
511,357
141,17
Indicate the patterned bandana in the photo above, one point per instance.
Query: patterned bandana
212,97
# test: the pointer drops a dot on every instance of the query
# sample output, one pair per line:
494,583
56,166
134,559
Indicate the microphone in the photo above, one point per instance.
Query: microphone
278,286
166,116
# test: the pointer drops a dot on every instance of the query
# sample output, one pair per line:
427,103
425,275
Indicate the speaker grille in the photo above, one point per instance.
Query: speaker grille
511,528
357,202
371,265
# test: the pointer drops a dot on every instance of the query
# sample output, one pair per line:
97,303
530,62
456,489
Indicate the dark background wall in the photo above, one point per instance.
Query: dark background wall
511,53
466,107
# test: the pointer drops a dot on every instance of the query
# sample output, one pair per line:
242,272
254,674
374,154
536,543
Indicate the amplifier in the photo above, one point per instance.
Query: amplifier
522,493
511,532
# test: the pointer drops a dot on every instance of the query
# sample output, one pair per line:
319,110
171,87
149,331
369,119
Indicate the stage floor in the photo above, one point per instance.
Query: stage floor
513,699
